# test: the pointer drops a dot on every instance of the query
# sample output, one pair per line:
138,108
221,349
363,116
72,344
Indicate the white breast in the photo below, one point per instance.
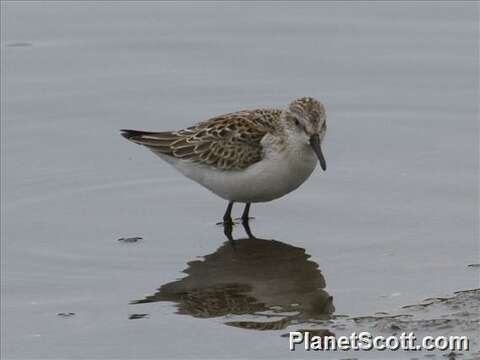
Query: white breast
276,175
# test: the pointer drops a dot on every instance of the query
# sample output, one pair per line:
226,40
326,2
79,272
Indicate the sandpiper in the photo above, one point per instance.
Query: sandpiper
247,156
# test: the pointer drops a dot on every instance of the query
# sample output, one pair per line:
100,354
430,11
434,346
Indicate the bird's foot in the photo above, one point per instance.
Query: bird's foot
227,223
242,219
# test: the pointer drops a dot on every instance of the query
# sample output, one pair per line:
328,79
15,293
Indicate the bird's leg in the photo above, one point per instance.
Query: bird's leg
228,225
227,217
246,226
245,221
227,230
245,217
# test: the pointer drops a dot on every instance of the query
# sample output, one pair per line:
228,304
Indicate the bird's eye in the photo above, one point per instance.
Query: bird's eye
296,122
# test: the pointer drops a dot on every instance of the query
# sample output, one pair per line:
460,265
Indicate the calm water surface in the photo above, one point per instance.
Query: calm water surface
393,221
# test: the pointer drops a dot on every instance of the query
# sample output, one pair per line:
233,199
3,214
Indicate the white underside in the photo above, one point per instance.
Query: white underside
269,179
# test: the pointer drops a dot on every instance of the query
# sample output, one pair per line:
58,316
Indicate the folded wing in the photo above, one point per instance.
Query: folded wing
227,142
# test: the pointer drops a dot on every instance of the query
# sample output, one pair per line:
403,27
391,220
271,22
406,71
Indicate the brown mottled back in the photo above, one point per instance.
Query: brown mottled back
226,142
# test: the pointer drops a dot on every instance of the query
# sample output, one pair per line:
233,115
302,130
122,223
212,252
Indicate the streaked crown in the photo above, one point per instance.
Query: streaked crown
310,113
308,107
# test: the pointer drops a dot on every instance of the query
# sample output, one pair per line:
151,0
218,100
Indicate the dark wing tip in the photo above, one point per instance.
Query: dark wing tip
128,134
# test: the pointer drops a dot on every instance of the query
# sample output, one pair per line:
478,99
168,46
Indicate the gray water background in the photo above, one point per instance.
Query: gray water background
394,219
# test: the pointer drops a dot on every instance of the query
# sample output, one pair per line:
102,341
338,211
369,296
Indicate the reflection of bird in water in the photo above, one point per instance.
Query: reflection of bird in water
250,276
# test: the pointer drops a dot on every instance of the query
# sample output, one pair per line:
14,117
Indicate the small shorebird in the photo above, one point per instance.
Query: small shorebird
247,156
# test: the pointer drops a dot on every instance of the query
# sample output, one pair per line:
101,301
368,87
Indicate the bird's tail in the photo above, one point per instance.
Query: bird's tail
158,142
147,138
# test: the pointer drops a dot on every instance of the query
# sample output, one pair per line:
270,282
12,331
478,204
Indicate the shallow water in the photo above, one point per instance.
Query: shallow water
393,221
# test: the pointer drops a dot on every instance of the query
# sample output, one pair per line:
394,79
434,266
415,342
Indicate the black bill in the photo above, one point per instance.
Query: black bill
315,144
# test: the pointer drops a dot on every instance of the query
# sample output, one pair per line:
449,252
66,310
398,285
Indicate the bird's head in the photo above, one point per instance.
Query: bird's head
305,120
